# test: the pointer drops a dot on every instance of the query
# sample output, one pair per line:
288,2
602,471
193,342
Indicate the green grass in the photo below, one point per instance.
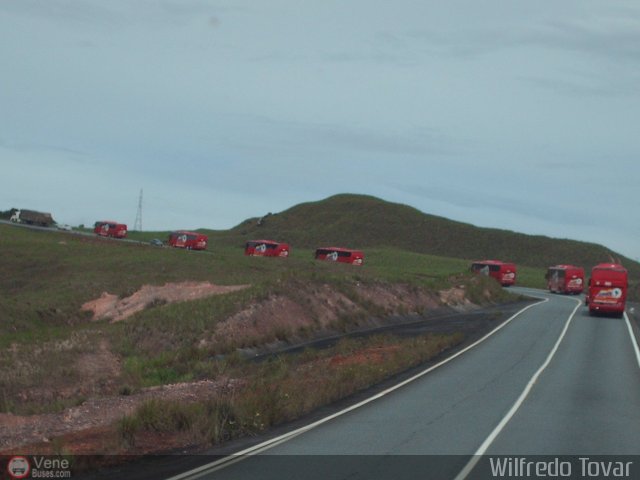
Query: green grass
283,389
531,277
47,276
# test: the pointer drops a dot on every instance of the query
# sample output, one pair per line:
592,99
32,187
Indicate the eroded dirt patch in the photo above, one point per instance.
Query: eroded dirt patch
319,310
16,430
302,312
456,297
115,309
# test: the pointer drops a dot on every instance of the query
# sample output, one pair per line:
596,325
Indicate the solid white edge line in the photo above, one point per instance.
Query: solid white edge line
518,403
236,457
633,337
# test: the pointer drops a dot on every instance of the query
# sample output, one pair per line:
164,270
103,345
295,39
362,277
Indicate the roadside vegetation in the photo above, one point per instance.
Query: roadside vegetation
54,355
48,276
281,389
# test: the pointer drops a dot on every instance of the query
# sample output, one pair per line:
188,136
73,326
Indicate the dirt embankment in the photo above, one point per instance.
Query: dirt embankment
115,309
16,430
293,316
323,309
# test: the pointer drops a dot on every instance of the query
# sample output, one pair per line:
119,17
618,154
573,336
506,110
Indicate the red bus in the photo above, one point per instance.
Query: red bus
109,228
504,273
607,289
266,248
188,240
342,255
565,279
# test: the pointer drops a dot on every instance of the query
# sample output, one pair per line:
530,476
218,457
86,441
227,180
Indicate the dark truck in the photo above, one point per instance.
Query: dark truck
32,217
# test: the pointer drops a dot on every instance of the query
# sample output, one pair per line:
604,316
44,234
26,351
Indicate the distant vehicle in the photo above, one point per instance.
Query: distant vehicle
342,255
565,279
156,242
64,226
266,248
504,273
607,289
32,217
188,240
109,228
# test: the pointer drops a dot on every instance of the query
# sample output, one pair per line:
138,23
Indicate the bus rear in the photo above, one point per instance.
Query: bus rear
565,279
608,287
504,273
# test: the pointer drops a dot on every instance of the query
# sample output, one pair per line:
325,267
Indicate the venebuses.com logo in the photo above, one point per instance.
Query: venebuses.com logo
18,467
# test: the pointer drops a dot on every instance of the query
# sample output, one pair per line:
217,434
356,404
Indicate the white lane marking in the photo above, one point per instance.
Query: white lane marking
236,457
633,337
523,396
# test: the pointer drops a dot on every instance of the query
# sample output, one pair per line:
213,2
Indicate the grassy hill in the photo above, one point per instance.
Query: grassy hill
360,221
54,356
48,275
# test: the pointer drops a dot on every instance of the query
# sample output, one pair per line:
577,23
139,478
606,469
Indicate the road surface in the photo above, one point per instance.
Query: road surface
552,381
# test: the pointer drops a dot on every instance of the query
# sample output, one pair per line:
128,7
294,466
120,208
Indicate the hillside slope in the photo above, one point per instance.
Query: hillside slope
361,221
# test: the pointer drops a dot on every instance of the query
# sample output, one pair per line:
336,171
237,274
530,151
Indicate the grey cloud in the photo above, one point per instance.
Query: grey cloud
615,37
66,11
55,151
594,86
266,133
417,142
116,14
469,43
546,209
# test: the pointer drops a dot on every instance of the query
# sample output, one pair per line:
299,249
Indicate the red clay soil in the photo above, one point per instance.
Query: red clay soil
111,307
84,428
90,429
98,413
369,356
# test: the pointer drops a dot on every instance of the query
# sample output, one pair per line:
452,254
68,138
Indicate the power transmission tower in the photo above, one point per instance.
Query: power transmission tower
137,225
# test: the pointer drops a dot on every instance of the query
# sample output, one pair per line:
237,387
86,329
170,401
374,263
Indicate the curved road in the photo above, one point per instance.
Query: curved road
551,381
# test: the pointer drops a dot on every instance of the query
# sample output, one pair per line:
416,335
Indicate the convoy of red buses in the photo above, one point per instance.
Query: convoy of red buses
266,248
504,273
342,255
607,291
565,279
188,240
108,228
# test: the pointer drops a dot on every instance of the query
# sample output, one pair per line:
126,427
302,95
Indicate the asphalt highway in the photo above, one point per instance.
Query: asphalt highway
551,381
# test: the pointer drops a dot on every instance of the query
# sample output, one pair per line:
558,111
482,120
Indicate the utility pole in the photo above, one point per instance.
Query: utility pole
137,225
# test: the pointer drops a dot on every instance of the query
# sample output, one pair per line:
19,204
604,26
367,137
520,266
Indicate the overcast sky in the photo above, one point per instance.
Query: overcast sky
523,115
